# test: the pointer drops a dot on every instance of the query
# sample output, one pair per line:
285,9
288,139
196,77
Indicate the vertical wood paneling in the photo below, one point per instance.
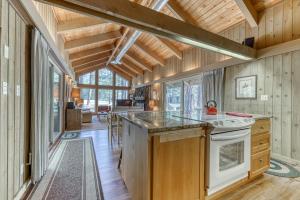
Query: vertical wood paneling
296,105
3,108
278,77
11,100
277,88
296,19
278,23
287,20
17,106
12,131
269,27
286,105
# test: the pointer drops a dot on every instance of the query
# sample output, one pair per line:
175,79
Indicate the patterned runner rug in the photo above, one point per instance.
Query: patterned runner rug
282,169
72,173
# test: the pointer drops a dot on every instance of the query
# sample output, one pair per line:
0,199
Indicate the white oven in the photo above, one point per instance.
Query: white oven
229,158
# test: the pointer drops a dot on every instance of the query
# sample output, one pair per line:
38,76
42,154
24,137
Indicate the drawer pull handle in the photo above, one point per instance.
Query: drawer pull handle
260,160
260,143
262,127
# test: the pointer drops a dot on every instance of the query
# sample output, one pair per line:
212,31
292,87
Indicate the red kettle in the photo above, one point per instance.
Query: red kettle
211,107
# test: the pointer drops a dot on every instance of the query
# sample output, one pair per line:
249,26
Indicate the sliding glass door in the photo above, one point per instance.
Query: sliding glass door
56,97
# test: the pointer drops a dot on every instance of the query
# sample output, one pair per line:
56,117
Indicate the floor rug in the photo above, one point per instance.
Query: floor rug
282,169
72,173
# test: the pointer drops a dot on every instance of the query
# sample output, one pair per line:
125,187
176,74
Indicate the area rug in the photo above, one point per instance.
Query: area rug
72,173
70,135
282,169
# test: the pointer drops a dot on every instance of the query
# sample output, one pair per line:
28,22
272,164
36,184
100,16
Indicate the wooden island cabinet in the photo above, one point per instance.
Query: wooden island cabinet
165,165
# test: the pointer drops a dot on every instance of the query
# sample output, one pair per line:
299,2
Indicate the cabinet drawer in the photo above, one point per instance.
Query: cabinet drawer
260,162
260,142
261,126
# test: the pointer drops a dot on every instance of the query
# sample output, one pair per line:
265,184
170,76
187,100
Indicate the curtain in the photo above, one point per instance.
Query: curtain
212,88
40,105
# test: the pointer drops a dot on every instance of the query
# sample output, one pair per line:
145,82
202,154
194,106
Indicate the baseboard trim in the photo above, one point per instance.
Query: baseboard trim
24,190
285,159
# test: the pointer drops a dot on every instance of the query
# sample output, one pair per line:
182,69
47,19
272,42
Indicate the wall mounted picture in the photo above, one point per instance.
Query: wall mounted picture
245,87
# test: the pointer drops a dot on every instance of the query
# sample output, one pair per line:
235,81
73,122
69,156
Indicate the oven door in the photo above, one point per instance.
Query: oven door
229,159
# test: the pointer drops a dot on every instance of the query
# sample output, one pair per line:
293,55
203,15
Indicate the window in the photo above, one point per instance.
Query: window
193,95
89,98
88,79
173,98
105,97
120,81
121,95
105,77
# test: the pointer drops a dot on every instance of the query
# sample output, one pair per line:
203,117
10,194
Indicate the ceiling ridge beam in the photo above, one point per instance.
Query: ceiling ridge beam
143,48
79,23
137,16
138,61
90,52
248,11
89,59
92,39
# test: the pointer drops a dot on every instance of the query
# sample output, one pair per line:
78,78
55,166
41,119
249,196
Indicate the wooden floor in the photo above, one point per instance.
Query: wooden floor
266,188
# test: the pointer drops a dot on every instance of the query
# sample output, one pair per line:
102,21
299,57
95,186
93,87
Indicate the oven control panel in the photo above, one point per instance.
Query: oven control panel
233,123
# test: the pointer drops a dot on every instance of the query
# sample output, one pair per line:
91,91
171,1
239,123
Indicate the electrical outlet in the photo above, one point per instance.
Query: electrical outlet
264,97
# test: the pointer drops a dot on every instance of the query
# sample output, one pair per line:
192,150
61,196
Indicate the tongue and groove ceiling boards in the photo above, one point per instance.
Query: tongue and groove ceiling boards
93,43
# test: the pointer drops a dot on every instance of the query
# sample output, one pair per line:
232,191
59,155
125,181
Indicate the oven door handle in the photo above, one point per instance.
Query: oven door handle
228,137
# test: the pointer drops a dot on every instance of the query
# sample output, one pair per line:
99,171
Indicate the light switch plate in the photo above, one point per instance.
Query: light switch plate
6,52
4,88
264,97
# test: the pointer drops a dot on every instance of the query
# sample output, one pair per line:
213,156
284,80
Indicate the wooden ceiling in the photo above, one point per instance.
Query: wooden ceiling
92,42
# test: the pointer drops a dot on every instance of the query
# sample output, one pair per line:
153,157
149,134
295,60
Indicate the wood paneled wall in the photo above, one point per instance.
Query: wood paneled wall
280,23
14,131
49,19
277,77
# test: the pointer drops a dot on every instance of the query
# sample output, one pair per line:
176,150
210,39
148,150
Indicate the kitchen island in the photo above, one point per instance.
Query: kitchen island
165,156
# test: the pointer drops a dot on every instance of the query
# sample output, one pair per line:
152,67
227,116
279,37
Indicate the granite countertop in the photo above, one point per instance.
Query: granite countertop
156,122
169,121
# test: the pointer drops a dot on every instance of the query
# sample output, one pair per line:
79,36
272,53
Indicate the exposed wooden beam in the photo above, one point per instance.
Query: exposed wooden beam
127,69
90,64
118,71
138,61
137,16
92,39
118,44
143,48
90,69
79,23
248,11
174,50
128,73
178,11
89,59
132,66
89,52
